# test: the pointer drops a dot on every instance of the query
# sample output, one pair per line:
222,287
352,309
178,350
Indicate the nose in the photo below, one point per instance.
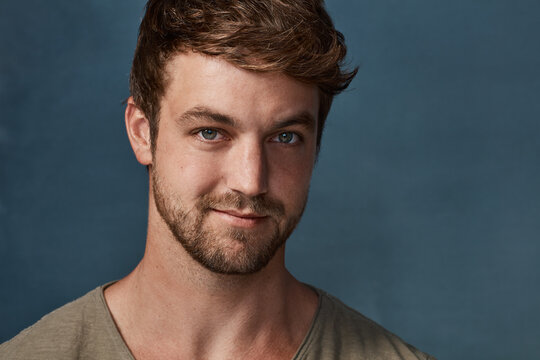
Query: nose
248,169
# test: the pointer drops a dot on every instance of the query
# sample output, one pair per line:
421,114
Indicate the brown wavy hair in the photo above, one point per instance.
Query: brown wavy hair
294,37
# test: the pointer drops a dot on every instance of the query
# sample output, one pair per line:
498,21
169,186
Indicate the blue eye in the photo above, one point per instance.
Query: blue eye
209,134
287,137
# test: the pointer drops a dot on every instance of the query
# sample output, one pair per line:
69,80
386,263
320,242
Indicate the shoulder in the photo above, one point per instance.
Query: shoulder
66,333
340,332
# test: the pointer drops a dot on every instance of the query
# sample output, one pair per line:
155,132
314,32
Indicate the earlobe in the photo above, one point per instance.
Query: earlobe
138,130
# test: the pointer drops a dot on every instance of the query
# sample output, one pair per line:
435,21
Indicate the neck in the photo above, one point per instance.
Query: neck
170,302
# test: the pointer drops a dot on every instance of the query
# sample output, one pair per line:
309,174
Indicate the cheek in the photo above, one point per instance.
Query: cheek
290,179
189,173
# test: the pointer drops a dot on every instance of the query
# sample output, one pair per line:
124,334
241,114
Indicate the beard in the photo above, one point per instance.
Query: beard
226,250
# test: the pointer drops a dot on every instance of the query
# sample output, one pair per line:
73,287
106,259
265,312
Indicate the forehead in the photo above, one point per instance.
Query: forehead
197,80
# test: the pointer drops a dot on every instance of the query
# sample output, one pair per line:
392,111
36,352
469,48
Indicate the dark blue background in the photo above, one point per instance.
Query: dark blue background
424,209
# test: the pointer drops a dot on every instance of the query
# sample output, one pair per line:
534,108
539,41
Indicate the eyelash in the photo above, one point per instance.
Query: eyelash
295,136
199,133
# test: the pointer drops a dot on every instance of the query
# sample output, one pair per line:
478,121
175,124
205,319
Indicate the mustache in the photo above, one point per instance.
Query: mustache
260,204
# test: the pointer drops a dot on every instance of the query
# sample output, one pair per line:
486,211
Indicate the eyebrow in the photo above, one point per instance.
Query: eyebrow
203,113
303,118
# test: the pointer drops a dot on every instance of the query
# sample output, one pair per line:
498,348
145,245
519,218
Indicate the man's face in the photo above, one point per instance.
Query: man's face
233,160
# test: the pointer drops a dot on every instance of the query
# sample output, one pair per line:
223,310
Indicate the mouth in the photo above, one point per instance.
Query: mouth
243,215
240,219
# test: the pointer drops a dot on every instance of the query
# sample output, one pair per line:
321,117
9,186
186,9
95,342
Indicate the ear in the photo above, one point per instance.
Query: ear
138,130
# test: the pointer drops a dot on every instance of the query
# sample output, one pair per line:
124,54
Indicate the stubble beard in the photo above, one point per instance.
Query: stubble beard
230,250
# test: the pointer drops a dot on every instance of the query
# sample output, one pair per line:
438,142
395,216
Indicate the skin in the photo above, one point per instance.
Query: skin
171,306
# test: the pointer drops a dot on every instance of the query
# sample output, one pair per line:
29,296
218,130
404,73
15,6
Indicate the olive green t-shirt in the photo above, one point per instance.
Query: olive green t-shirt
84,329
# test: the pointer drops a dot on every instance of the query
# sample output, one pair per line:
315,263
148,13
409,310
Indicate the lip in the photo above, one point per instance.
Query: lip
240,214
239,219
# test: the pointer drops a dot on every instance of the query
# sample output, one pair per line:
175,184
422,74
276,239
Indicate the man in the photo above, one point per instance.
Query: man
228,105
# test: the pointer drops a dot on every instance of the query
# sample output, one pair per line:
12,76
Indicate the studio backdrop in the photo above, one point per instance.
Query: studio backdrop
424,206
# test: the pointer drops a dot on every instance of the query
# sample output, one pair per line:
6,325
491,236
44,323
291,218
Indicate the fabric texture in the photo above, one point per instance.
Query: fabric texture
84,329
